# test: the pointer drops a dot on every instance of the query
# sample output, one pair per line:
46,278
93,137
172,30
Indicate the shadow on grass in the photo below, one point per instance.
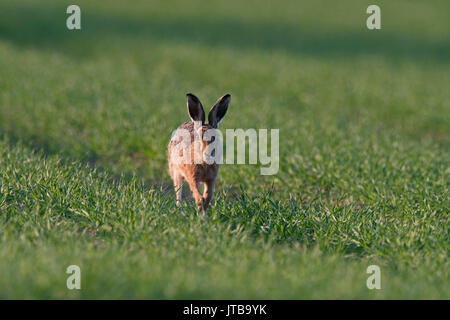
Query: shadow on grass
93,160
45,28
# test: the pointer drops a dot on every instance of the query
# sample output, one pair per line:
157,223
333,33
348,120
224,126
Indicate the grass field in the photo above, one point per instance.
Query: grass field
364,119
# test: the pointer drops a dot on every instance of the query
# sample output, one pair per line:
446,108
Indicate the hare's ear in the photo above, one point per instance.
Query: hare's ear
219,110
195,108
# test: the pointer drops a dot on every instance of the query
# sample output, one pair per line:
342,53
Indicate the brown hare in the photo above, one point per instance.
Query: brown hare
195,170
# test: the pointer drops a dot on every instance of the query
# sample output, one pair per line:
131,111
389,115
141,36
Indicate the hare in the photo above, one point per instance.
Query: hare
196,170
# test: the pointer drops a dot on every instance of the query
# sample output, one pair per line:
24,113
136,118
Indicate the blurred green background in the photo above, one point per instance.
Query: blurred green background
85,118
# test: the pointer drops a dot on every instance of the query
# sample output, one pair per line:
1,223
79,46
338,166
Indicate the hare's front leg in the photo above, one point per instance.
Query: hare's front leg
178,184
193,184
208,193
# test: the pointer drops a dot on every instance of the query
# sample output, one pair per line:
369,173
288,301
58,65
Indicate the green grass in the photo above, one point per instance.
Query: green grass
364,118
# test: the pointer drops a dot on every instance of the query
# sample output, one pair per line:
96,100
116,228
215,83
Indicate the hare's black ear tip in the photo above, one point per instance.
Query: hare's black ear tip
191,96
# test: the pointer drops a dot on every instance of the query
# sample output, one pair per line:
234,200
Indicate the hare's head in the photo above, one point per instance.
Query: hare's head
215,116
